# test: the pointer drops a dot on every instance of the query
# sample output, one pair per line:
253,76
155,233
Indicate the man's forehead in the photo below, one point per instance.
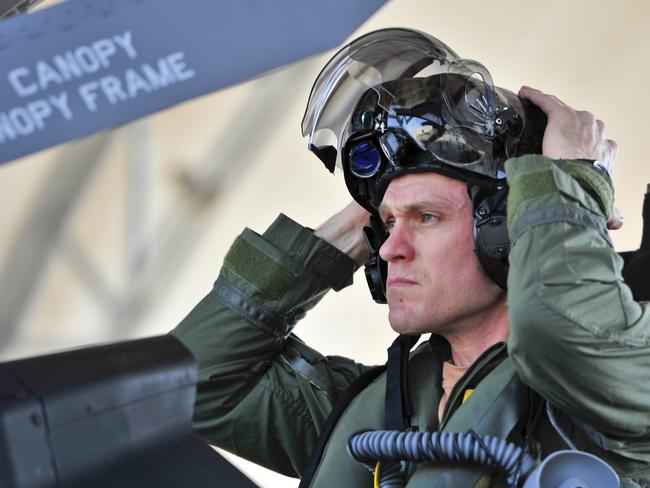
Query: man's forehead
418,190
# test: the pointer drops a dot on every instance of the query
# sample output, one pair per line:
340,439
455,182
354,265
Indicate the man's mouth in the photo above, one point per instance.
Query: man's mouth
398,281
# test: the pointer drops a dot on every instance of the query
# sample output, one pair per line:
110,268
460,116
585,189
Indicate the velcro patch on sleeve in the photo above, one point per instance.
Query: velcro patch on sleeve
526,186
265,273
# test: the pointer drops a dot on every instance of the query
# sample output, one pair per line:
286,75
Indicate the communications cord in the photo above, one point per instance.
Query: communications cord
391,447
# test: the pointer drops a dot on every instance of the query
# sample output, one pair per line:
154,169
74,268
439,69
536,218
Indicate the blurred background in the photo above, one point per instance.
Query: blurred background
118,235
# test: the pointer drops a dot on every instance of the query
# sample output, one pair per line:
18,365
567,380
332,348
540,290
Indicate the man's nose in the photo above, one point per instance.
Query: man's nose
398,245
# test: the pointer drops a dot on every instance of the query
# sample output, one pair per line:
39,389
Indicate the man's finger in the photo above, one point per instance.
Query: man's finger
548,103
615,222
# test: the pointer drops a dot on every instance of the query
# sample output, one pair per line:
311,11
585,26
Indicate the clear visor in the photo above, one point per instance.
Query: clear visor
387,55
459,120
368,61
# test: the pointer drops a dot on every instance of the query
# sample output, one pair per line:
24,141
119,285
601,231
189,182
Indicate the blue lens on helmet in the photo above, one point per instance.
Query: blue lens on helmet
364,160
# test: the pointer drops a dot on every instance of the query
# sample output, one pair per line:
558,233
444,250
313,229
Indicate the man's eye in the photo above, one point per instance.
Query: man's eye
428,217
389,223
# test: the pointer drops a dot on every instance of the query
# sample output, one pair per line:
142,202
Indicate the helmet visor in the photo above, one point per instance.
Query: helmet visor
368,61
450,119
454,124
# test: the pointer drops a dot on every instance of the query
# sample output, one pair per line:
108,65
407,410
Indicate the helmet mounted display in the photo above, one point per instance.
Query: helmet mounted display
440,123
399,101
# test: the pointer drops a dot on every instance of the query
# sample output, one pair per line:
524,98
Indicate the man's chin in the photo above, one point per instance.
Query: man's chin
402,323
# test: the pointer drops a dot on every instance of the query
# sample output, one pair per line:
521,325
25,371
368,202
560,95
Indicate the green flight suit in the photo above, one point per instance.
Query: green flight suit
577,339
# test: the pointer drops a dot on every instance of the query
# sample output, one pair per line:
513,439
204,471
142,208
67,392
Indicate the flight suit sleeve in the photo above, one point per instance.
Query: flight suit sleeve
262,393
576,334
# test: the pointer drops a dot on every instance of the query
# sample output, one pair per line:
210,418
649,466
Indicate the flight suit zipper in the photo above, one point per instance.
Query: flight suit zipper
485,358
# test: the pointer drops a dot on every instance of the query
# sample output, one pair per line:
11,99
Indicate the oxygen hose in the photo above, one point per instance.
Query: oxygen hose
459,447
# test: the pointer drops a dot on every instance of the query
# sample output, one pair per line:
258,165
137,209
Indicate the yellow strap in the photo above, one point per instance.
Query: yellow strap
467,394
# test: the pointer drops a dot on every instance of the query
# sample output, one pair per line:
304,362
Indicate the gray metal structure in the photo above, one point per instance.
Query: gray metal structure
9,8
152,256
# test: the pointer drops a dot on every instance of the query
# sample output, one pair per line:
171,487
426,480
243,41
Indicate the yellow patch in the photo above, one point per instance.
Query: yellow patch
467,394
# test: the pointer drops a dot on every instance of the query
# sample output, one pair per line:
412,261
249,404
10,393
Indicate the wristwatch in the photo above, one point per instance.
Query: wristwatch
599,166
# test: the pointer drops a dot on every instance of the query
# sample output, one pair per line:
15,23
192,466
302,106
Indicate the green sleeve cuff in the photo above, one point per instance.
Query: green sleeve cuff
319,256
534,176
287,256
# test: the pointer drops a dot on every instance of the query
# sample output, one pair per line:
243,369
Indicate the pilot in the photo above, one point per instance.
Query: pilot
486,219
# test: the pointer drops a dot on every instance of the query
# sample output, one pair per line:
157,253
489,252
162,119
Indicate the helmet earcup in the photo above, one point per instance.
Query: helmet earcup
376,271
491,240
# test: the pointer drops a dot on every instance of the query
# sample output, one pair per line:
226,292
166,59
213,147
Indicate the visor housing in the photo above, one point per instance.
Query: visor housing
441,123
396,101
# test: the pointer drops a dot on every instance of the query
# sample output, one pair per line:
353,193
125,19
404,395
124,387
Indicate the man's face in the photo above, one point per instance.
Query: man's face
435,281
